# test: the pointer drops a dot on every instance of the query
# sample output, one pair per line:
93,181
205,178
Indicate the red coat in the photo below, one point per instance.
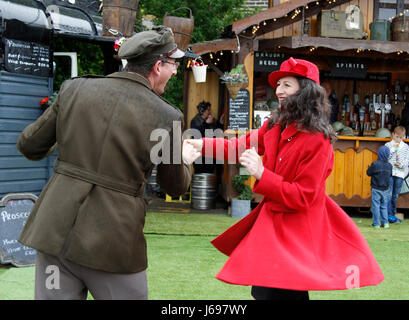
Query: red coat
297,237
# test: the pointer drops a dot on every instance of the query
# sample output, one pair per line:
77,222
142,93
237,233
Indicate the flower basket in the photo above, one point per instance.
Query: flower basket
199,71
234,88
235,80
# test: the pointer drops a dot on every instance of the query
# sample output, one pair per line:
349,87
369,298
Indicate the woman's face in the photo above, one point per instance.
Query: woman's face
286,87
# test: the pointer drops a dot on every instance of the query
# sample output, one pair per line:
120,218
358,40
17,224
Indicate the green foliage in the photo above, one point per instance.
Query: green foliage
174,90
235,75
210,16
245,192
90,59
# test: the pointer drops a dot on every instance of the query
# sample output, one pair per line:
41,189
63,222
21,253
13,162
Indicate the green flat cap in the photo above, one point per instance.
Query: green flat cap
156,42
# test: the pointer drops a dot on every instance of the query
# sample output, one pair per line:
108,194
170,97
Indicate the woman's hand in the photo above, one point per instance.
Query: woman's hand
252,161
190,153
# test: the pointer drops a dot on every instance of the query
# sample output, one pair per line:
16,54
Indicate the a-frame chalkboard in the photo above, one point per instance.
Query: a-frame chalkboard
14,211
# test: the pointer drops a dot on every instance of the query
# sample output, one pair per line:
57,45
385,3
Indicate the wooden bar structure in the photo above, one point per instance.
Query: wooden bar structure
348,184
290,28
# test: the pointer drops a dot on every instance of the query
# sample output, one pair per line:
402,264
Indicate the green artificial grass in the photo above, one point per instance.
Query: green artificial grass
188,224
183,263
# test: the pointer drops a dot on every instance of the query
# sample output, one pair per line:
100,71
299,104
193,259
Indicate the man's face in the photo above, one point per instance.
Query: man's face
168,68
206,113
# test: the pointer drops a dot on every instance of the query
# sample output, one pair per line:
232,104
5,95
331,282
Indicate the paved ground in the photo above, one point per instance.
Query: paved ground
221,207
161,205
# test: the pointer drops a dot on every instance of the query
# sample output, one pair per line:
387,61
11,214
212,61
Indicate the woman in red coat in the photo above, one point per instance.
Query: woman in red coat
297,239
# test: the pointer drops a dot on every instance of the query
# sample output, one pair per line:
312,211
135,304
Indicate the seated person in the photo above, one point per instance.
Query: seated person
204,120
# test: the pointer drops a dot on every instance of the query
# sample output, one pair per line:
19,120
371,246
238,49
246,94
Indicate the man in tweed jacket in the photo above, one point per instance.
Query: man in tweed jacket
88,221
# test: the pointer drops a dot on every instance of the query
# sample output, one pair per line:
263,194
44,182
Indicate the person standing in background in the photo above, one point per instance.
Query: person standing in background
202,121
332,100
380,172
399,159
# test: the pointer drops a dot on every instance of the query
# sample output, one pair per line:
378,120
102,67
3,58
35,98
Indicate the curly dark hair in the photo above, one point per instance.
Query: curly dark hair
309,108
203,106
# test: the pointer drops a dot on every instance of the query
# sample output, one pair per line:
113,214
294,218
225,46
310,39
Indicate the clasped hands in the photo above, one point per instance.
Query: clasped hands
249,158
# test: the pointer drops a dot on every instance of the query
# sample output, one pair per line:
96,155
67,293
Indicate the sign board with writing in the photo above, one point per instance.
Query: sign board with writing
27,58
268,61
368,77
349,68
14,211
239,111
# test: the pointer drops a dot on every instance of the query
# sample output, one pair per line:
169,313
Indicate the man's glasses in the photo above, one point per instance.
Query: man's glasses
175,64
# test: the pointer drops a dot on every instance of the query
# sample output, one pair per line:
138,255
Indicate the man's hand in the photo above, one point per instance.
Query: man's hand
252,161
196,143
189,153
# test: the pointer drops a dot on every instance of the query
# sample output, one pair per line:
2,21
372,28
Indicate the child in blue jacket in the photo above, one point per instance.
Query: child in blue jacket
380,172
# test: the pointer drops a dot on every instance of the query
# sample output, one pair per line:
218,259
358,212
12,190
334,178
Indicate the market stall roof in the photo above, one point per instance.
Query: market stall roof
215,45
336,44
264,22
257,25
281,15
60,17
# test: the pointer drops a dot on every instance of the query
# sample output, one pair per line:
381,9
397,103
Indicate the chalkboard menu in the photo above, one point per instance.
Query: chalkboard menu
27,58
14,211
239,111
268,61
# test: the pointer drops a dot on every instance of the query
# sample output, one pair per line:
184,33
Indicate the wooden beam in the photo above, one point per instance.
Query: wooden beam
215,46
278,13
213,67
337,44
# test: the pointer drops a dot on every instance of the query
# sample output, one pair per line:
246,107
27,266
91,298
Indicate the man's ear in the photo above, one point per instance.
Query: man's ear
157,67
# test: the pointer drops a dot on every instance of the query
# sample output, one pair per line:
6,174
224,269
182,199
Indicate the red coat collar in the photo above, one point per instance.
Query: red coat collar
289,132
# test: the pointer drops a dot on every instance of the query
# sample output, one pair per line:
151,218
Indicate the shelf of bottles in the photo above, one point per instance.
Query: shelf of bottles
378,110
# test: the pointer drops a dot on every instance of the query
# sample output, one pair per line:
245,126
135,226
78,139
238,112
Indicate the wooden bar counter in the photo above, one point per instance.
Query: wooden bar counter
348,184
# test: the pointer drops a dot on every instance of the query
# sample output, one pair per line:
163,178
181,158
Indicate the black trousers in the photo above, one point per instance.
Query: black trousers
265,293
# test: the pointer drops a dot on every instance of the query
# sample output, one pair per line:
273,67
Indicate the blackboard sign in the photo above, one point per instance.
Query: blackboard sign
368,77
349,68
14,211
27,58
268,61
239,111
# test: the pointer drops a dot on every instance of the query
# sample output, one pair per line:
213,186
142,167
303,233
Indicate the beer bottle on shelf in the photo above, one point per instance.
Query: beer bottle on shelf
406,92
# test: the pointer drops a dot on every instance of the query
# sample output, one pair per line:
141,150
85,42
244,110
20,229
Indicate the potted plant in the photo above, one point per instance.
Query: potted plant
235,79
241,205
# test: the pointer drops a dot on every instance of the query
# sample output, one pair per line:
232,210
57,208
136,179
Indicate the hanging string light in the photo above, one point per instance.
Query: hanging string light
296,13
399,15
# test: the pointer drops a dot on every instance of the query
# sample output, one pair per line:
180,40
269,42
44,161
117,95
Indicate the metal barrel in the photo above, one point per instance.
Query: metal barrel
204,191
152,182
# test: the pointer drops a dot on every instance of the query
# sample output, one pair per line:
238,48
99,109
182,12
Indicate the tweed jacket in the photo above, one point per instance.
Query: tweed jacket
93,206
